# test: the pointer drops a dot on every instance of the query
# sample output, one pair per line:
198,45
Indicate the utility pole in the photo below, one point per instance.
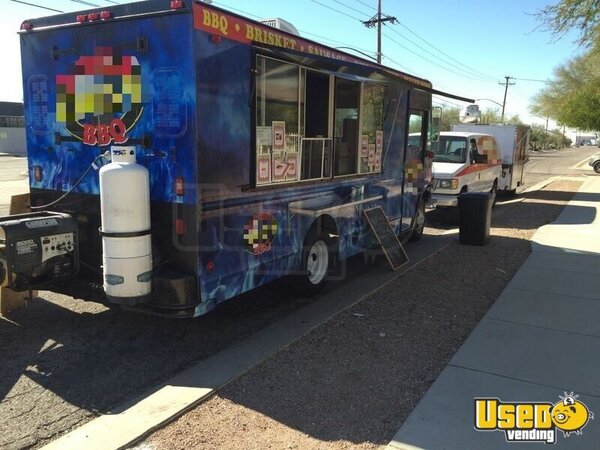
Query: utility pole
378,19
506,84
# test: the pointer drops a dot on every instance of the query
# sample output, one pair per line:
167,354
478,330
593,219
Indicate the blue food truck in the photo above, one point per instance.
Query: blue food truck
262,148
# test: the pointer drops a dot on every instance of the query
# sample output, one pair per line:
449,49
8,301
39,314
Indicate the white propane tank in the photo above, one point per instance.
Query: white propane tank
126,239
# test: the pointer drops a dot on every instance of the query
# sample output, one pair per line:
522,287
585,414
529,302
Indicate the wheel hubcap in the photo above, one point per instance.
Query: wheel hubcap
317,262
420,219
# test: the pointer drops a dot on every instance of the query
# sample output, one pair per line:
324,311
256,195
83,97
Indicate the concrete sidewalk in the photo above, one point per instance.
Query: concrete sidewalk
539,339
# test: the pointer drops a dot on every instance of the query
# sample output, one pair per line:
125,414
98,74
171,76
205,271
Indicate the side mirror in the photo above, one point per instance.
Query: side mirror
436,119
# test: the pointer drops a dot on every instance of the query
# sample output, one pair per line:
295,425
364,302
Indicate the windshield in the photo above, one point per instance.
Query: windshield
451,149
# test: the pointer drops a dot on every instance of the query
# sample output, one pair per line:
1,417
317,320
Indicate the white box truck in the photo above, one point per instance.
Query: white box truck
513,142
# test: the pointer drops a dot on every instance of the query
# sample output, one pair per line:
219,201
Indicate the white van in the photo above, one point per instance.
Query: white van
464,162
513,142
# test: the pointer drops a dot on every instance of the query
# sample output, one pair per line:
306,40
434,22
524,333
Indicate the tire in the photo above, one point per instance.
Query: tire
494,192
597,167
318,259
419,225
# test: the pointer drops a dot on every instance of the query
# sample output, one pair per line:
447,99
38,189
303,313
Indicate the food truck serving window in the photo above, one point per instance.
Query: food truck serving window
277,111
314,125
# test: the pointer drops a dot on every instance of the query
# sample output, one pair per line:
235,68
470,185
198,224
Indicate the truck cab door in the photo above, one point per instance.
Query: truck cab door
414,164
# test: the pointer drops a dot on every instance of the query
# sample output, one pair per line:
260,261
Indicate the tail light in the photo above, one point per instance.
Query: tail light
26,26
81,18
179,186
105,15
38,174
93,16
179,227
176,4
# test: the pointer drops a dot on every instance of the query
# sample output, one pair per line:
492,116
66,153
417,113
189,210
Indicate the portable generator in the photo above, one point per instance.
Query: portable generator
37,249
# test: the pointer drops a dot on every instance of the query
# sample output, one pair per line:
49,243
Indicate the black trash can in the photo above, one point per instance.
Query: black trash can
475,217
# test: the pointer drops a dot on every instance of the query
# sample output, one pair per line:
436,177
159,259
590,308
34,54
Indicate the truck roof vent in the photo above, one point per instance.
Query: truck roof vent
281,24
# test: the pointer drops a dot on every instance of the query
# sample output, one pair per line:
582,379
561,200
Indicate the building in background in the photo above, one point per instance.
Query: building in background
12,129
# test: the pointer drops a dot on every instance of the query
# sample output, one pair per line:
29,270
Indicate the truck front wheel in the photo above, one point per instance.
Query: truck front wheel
597,167
419,226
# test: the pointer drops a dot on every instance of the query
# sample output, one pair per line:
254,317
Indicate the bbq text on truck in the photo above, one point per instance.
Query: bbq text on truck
230,154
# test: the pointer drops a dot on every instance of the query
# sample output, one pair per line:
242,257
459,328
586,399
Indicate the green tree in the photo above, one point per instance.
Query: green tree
542,139
573,95
566,15
450,116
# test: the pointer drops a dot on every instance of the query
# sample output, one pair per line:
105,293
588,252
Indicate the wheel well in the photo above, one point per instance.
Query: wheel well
324,224
465,188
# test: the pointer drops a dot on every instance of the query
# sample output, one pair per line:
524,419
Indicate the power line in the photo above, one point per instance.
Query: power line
37,6
402,67
445,54
429,60
336,10
530,79
238,10
449,102
249,14
431,45
366,4
461,67
82,2
350,7
378,19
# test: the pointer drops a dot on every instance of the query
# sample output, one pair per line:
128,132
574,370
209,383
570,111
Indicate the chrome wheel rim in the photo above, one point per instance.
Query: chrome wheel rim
317,262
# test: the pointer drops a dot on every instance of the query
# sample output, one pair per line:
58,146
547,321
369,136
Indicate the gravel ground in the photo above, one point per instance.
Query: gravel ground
352,382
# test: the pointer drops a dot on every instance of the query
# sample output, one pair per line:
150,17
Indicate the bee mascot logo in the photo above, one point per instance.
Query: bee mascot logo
532,421
102,100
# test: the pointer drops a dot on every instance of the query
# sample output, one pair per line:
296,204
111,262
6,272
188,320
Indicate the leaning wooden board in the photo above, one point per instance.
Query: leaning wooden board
386,236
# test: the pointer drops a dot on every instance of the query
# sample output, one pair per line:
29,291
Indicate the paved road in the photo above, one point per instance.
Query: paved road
11,168
546,164
64,360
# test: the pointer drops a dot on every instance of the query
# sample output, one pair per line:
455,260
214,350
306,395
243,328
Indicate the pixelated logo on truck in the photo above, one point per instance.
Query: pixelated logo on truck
102,100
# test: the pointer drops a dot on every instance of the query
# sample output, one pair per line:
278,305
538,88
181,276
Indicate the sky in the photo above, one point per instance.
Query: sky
465,47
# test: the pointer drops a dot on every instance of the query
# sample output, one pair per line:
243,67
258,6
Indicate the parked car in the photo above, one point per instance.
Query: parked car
595,162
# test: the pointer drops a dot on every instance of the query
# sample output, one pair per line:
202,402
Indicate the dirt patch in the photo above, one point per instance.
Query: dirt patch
353,381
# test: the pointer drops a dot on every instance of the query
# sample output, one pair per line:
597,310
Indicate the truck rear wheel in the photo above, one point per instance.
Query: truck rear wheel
318,259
